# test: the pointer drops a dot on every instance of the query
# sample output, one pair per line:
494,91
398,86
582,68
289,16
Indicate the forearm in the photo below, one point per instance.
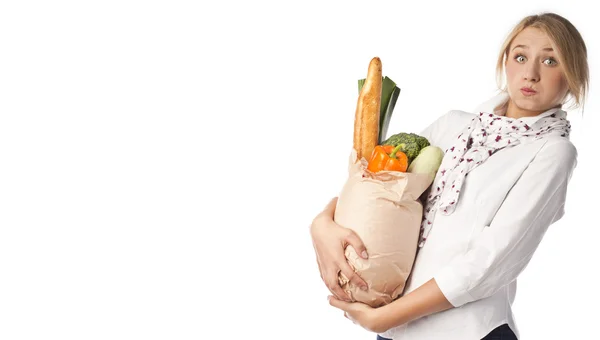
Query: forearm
425,300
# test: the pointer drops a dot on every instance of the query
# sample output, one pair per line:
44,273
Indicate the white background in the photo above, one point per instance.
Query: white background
161,161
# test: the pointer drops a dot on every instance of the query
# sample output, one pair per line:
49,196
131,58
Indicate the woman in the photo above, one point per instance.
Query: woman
502,183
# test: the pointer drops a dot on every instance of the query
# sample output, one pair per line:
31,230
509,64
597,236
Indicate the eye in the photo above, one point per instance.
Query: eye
520,58
552,62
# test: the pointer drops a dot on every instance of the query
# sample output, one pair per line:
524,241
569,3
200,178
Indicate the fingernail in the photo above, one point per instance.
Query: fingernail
364,254
364,288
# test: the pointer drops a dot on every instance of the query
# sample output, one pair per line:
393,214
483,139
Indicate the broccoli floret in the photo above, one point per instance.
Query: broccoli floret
412,144
422,141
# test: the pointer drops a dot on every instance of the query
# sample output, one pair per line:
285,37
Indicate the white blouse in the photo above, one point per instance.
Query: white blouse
475,254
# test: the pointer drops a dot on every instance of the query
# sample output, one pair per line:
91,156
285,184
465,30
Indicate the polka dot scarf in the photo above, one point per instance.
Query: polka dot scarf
481,138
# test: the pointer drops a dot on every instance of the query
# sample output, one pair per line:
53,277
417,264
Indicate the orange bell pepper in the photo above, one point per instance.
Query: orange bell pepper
388,158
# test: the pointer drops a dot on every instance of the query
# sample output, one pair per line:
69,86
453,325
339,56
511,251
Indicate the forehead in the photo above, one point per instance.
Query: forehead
533,38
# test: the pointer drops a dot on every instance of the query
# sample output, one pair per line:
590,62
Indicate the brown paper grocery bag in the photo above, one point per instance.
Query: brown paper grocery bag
384,210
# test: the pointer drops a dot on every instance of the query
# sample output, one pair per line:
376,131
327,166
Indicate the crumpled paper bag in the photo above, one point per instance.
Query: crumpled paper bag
385,211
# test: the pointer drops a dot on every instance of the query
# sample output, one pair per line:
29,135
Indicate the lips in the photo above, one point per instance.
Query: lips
528,91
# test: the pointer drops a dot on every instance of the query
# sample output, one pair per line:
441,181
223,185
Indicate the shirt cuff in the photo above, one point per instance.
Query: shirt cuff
453,287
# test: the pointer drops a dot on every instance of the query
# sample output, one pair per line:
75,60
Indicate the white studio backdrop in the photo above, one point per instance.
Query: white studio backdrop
161,162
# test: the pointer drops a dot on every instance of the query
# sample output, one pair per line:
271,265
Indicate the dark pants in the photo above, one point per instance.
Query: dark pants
499,333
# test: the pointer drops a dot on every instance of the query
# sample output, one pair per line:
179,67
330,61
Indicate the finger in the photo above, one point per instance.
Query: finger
356,243
349,317
338,292
334,287
337,303
353,276
330,207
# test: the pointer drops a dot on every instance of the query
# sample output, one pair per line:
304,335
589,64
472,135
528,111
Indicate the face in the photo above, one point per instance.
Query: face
533,63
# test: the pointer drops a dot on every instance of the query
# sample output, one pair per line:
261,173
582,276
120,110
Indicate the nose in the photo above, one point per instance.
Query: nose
532,72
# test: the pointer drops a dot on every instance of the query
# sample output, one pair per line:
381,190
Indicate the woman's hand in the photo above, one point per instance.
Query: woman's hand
423,301
330,241
360,313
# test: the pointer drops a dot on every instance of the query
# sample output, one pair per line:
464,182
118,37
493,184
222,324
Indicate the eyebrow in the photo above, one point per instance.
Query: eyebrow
550,49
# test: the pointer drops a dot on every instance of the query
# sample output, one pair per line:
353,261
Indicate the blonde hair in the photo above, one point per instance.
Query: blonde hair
572,52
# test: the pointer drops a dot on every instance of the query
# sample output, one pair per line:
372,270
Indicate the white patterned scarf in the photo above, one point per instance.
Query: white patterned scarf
481,138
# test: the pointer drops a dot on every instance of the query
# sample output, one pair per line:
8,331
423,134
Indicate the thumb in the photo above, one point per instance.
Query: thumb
330,207
343,305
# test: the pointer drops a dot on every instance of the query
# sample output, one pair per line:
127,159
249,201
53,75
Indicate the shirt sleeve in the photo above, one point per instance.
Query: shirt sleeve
505,247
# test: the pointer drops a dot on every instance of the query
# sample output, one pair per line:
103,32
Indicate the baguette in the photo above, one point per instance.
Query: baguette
366,120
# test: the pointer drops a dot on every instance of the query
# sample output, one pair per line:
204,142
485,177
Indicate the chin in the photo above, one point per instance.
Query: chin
528,104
